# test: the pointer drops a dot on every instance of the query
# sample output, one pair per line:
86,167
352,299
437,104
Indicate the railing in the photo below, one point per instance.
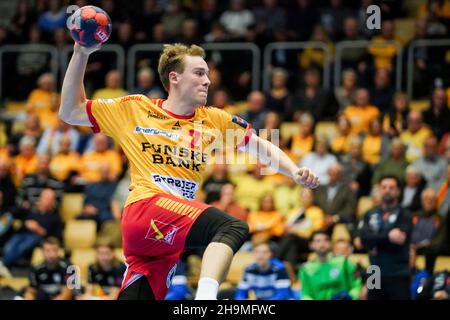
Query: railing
273,46
410,59
342,45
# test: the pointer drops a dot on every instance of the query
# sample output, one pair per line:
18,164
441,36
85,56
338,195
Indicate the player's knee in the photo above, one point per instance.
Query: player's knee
234,233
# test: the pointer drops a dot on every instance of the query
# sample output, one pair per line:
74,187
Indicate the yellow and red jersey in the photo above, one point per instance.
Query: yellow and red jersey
167,153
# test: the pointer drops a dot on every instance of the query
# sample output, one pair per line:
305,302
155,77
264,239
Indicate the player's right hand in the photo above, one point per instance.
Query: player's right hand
85,50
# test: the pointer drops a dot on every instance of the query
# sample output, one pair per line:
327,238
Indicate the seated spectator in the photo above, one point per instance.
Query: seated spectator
267,278
395,119
66,163
32,129
112,87
91,161
356,172
278,99
7,186
146,85
301,223
375,144
50,140
237,20
443,201
319,160
437,287
228,204
302,143
336,199
432,165
26,161
316,57
44,101
352,32
342,248
53,18
395,164
98,197
48,280
267,223
256,110
33,184
271,128
341,143
221,100
328,277
382,92
437,116
361,113
179,288
414,136
286,195
41,222
444,146
346,93
213,185
414,185
105,275
6,220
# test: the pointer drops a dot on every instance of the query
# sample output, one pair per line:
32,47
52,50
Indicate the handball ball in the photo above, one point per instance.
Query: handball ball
90,26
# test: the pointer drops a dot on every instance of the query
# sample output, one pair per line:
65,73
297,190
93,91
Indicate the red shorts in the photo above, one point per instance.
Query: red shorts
154,232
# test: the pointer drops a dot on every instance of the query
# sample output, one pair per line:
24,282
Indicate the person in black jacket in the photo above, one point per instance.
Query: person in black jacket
386,233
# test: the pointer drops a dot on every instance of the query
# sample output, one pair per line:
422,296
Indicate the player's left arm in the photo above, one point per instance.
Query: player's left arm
275,158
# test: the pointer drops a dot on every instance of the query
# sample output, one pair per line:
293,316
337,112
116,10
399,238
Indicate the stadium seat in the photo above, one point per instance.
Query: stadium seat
16,283
288,129
71,205
38,256
340,232
442,264
79,234
419,105
326,129
361,259
365,203
83,258
240,261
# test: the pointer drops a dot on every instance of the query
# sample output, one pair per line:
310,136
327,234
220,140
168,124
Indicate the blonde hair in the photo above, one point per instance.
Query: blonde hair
172,59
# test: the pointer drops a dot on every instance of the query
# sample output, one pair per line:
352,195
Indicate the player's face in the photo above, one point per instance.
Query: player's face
194,81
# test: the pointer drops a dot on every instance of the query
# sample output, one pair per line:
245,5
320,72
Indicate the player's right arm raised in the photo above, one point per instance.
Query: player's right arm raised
73,96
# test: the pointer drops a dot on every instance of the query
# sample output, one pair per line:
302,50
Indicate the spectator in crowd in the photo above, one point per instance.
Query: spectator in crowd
256,110
301,20
237,20
22,21
426,224
444,146
213,185
124,35
312,57
313,99
146,85
286,196
6,220
43,221
278,99
32,129
382,92
328,277
91,161
270,22
300,224
189,32
54,18
341,143
437,116
51,138
112,87
336,199
48,280
44,101
346,93
414,185
179,288
395,164
98,197
437,287
443,201
33,185
267,277
173,18
351,57
105,275
146,18
375,144
7,186
208,16
271,129
362,112
26,161
301,143
414,136
221,100
432,165
228,204
65,164
266,224
319,160
332,18
395,119
356,172
386,233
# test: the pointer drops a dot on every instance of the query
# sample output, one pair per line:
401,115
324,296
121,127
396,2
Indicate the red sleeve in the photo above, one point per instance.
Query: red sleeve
95,128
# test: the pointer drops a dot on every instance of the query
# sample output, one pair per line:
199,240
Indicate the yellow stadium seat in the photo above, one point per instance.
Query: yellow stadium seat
240,261
83,258
288,129
364,204
340,232
16,283
442,263
38,256
326,129
71,205
419,105
80,234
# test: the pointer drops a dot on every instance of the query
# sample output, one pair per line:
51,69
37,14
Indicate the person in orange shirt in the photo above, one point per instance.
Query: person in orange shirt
414,137
301,143
267,223
395,120
66,162
44,101
375,145
27,160
92,161
228,204
381,49
340,145
361,113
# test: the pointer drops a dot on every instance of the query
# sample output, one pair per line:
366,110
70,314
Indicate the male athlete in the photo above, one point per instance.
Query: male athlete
163,141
